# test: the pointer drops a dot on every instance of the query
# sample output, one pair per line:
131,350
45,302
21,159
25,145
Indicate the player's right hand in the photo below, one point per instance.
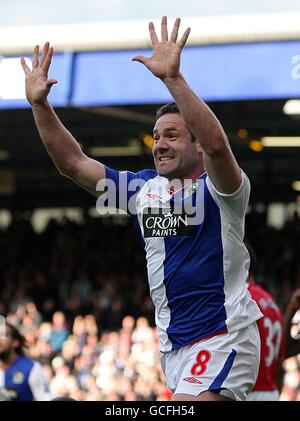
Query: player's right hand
37,84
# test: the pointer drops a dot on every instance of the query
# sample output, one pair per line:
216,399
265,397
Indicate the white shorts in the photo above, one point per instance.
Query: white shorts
263,395
227,364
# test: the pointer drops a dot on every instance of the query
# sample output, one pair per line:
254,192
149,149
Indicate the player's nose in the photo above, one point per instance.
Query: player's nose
161,145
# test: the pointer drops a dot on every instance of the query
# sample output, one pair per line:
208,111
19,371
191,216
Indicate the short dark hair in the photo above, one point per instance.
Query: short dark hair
170,108
19,337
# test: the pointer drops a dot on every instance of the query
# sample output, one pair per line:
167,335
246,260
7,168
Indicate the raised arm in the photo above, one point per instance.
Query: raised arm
165,64
60,144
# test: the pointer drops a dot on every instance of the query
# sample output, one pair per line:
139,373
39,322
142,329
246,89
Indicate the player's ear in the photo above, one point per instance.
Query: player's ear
198,146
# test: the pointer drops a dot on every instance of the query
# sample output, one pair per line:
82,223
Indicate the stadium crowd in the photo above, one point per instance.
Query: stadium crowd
79,294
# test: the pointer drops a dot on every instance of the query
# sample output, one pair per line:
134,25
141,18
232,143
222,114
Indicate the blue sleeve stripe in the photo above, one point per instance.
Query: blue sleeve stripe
122,180
112,174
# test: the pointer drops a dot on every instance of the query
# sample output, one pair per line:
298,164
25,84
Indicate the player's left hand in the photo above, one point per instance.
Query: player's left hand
165,60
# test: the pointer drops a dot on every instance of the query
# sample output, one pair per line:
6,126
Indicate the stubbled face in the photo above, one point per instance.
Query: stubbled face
175,154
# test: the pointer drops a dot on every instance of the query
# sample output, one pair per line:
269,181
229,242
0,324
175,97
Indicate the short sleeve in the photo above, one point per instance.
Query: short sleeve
122,188
234,205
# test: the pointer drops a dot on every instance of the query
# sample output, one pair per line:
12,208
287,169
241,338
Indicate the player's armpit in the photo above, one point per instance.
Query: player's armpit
233,205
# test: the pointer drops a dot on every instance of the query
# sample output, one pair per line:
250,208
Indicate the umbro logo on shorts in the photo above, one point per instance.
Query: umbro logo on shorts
192,380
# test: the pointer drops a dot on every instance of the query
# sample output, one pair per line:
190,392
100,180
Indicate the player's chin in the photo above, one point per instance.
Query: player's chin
166,170
165,173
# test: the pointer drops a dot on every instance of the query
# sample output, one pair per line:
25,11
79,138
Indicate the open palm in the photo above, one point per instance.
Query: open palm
37,84
165,59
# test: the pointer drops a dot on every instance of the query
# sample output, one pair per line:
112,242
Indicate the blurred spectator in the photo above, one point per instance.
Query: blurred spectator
21,378
59,331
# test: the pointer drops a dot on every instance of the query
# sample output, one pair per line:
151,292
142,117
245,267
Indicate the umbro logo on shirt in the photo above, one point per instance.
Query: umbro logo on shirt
192,380
154,196
161,222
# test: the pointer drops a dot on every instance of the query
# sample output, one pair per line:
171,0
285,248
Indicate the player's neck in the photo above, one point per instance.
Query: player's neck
184,181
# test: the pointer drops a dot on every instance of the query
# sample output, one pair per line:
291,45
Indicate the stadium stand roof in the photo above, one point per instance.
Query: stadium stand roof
27,175
116,35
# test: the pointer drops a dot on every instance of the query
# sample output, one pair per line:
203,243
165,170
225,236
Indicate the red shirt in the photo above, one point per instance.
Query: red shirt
272,338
